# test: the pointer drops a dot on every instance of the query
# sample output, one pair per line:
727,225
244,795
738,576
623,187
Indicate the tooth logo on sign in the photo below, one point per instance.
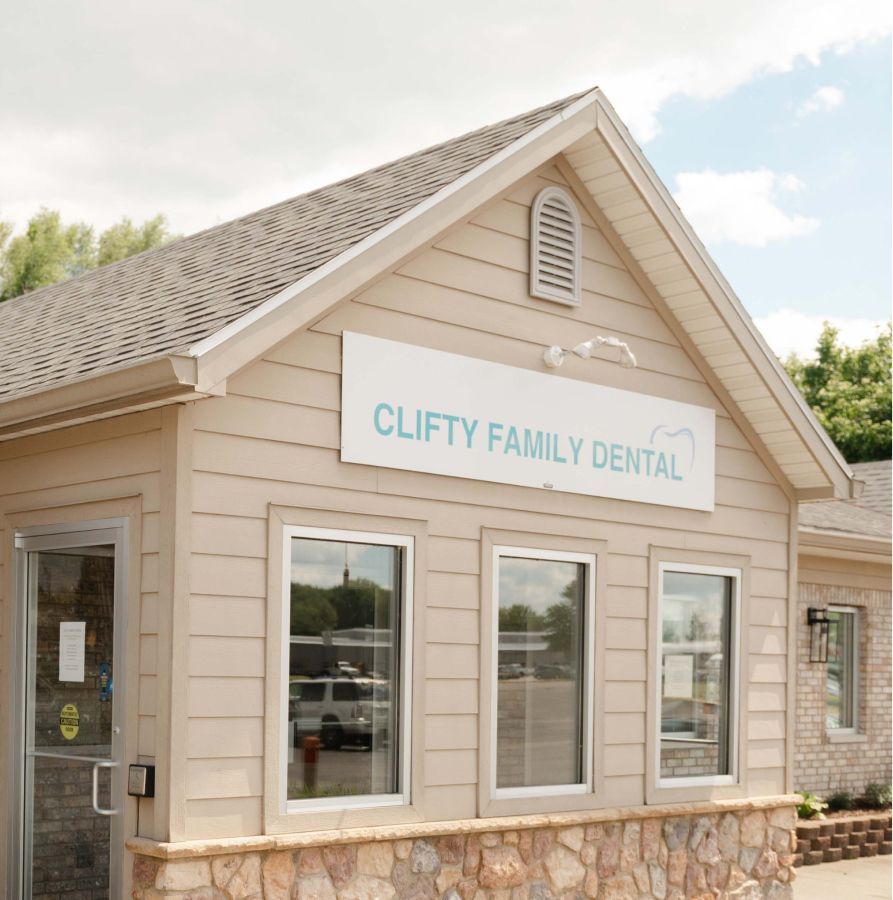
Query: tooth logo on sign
684,433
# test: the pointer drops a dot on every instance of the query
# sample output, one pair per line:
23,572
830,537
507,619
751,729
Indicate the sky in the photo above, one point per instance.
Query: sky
769,121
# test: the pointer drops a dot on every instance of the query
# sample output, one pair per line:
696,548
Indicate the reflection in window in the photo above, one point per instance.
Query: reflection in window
696,660
540,672
841,674
344,667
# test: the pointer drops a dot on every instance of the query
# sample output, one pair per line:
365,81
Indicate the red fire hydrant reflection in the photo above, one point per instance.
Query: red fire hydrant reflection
311,763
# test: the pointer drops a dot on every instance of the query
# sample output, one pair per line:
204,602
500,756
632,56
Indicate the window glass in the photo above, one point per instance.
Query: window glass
309,693
841,673
344,665
696,663
540,660
344,691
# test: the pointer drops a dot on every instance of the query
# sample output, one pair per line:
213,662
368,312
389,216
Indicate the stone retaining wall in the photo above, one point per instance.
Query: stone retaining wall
739,854
845,838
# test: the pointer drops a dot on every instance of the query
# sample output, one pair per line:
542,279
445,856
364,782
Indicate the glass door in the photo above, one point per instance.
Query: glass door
71,668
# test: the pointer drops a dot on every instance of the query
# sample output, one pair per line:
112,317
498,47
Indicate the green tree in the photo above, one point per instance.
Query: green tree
312,612
848,389
47,252
126,239
561,625
50,251
520,617
561,621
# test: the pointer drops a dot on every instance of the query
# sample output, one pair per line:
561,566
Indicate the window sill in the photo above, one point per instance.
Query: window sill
846,738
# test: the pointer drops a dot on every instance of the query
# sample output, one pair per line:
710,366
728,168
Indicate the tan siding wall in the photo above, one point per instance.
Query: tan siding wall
275,439
103,461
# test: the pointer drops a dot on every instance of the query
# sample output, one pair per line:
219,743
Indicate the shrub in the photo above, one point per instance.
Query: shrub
878,796
840,800
811,806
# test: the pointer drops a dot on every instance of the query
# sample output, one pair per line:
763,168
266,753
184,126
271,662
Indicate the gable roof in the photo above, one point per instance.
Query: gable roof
164,301
174,323
869,515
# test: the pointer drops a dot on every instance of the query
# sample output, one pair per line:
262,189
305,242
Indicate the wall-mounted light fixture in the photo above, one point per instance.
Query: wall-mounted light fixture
555,356
818,622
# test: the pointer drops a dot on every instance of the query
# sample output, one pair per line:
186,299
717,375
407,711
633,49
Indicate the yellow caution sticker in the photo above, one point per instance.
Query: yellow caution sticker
69,721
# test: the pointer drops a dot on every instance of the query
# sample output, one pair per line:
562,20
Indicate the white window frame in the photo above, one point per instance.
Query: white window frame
361,801
734,723
854,728
550,790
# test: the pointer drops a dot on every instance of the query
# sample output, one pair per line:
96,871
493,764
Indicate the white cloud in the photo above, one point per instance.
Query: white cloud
788,331
203,109
741,207
824,99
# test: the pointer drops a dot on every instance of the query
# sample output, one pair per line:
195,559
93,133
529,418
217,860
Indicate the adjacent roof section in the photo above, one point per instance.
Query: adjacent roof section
877,479
175,323
869,516
164,301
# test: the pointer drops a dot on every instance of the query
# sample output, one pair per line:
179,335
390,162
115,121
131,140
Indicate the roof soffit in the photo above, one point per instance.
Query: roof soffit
649,231
641,215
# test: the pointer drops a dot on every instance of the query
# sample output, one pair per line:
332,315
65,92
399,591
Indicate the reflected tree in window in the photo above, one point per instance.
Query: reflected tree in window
520,617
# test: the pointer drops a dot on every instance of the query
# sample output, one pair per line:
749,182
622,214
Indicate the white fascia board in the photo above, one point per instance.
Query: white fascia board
152,382
844,544
783,384
234,328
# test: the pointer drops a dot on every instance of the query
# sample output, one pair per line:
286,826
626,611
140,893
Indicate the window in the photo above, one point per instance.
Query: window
842,674
542,673
555,247
697,674
347,711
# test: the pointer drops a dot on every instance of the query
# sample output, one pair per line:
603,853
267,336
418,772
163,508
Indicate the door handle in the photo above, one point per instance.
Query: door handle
102,764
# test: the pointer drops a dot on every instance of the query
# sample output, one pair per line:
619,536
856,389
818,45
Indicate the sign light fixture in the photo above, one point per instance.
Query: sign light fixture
555,356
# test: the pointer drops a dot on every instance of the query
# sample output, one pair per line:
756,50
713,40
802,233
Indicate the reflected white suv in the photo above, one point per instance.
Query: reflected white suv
340,711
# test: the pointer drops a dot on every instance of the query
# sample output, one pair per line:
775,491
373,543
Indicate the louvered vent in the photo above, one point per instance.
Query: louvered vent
555,247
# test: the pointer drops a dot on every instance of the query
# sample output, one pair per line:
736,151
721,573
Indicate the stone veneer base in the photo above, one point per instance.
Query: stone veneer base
742,850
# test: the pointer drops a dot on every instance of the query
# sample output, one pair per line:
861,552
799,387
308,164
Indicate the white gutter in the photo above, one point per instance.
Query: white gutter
845,544
145,384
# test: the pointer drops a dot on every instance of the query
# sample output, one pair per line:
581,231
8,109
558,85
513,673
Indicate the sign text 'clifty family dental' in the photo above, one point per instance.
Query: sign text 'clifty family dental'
407,407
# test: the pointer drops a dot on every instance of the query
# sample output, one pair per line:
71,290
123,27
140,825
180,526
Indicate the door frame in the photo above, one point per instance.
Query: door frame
85,533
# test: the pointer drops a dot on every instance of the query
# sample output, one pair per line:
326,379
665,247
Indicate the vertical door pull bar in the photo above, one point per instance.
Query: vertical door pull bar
102,764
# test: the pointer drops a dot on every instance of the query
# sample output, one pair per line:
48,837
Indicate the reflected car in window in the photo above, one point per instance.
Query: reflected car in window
340,711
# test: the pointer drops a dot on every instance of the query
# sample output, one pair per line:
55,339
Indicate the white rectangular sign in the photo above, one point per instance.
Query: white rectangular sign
679,675
72,640
407,407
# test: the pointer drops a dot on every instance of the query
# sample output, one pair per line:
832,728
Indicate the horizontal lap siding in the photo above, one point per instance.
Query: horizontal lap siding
108,460
275,438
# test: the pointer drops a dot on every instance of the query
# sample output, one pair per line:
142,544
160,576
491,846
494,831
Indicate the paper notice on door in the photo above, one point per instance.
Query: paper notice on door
679,675
71,650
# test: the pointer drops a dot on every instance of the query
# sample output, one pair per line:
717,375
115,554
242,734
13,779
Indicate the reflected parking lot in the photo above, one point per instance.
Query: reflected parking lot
350,770
537,722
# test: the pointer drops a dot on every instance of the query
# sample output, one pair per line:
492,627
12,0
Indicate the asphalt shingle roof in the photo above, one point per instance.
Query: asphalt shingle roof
164,301
869,515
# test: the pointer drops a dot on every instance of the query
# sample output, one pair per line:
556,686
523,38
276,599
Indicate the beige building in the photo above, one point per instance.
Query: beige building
432,534
843,703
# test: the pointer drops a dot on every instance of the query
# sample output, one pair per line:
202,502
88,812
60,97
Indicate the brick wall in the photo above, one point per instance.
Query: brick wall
821,766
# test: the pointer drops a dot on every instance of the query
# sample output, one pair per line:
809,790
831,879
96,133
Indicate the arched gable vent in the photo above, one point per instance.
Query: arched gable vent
555,247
